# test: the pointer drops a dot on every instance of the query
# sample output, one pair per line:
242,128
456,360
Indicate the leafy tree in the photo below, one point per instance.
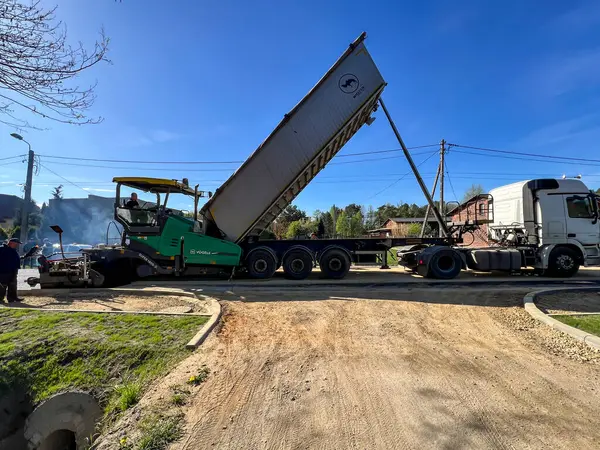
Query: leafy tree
9,232
267,234
57,192
475,189
352,209
326,220
598,191
350,226
357,227
334,213
300,229
342,225
384,212
371,219
38,66
320,229
291,214
35,219
279,229
414,229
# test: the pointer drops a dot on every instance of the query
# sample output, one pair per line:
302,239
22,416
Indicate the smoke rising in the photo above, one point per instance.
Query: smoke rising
84,221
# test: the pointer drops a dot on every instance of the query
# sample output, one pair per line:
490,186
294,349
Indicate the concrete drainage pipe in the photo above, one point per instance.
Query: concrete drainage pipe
64,421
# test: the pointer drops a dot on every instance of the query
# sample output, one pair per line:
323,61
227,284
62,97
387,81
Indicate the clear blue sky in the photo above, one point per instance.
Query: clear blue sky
201,81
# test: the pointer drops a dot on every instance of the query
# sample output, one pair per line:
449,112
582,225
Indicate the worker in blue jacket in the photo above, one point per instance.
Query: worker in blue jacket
10,263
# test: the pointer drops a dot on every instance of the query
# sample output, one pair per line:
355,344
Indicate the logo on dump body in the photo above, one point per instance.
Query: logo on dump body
348,83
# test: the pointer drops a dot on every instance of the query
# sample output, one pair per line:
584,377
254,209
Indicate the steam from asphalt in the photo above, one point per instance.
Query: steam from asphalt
82,224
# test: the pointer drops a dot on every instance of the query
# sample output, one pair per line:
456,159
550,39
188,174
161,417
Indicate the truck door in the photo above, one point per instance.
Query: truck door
582,223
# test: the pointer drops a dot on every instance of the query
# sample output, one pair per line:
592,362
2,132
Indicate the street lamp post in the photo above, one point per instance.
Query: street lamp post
28,183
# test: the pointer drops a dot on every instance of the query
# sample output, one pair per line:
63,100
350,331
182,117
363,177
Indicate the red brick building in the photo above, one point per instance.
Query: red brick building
477,212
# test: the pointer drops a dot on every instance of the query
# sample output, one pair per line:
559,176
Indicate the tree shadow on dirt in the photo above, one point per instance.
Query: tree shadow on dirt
109,300
459,296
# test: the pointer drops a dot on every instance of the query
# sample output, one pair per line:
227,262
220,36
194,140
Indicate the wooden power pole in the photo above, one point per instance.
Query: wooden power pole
442,170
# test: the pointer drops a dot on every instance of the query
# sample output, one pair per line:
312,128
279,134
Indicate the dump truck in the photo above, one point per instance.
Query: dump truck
225,234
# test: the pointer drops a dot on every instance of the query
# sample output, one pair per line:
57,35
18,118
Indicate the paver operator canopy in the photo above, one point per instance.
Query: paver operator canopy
156,185
148,215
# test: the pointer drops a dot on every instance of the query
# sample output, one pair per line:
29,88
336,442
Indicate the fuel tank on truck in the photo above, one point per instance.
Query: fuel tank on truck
307,138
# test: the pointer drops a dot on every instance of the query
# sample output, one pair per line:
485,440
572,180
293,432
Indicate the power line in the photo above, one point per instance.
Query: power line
403,176
12,157
537,155
63,178
76,158
212,170
138,161
525,159
9,163
386,151
138,168
373,159
450,181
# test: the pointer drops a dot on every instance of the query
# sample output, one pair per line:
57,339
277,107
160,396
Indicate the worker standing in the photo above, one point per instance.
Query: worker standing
10,263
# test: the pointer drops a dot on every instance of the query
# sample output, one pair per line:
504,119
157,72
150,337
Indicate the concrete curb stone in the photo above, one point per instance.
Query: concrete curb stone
582,336
199,338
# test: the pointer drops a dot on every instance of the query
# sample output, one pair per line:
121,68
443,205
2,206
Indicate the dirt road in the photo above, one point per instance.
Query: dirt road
418,370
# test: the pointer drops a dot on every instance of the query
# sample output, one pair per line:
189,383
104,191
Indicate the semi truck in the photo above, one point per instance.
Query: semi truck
225,234
548,225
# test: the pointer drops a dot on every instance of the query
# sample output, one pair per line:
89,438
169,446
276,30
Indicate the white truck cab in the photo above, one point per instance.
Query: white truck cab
557,218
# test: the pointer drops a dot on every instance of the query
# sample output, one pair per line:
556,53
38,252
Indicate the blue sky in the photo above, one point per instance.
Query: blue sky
202,81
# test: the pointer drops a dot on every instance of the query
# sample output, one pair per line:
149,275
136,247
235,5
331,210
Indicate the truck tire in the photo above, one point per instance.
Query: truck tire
445,265
335,263
563,263
297,264
261,264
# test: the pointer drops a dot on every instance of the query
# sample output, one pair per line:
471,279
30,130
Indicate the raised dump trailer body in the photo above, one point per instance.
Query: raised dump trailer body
307,138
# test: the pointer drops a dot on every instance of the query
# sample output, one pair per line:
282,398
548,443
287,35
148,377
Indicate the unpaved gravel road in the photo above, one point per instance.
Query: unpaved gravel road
417,370
382,369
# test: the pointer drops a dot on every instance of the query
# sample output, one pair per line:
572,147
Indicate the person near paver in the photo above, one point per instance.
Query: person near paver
10,263
133,202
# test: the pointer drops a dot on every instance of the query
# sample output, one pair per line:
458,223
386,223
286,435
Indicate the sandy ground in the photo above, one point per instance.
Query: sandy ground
570,302
107,301
386,369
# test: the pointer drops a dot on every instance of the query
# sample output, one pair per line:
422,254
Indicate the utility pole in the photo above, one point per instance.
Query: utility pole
428,210
28,184
442,170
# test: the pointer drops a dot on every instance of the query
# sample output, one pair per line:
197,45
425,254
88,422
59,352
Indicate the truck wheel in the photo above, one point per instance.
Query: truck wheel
445,265
261,264
297,265
563,263
334,263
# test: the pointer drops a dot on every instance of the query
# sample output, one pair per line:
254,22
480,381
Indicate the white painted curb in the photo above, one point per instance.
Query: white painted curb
536,313
208,326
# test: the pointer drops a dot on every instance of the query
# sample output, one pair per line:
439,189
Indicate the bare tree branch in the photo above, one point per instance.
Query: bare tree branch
38,66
